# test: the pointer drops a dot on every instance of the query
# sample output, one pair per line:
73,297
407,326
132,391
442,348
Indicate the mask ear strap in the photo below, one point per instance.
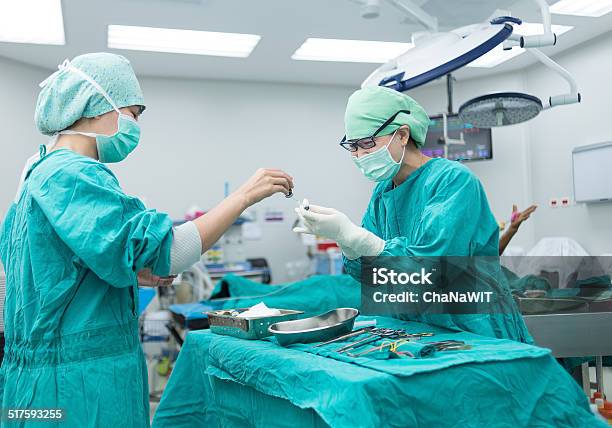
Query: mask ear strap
391,140
71,132
93,83
389,143
403,154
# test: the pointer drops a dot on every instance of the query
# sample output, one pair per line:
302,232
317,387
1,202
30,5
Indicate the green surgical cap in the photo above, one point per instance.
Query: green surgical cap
66,96
370,107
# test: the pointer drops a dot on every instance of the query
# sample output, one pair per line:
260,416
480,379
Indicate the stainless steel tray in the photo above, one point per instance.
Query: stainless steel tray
315,329
222,322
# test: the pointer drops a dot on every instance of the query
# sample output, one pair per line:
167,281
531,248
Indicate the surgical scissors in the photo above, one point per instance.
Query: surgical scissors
375,333
450,345
382,333
346,336
393,347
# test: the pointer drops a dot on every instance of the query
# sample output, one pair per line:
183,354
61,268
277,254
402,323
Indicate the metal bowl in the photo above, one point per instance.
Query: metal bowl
315,329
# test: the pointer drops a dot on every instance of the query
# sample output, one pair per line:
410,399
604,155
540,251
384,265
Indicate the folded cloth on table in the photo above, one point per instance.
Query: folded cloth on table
260,310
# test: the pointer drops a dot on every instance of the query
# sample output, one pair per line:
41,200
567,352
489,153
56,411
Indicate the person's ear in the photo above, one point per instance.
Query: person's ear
404,132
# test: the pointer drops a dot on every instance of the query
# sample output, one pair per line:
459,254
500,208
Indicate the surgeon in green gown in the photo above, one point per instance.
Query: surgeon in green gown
74,246
420,207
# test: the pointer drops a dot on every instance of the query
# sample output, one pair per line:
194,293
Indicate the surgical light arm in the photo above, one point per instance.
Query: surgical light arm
448,141
547,38
570,98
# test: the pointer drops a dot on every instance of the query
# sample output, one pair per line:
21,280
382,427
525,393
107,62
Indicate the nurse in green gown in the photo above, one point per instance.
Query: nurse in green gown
73,245
420,207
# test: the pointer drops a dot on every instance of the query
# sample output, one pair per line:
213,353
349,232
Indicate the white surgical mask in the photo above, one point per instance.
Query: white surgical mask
380,165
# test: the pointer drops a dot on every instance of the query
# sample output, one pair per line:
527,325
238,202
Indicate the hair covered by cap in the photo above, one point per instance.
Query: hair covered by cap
368,108
66,96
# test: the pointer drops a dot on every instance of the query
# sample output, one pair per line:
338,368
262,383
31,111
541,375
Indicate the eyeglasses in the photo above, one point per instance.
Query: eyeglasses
368,142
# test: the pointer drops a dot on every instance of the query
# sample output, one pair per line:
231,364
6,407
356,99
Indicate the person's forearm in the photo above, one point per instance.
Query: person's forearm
505,240
215,222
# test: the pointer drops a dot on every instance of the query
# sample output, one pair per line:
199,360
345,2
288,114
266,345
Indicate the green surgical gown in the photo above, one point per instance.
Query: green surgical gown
71,247
441,210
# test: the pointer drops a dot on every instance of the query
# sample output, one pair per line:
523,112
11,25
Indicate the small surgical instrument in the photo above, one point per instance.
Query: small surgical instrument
393,347
304,204
382,333
346,336
450,345
375,333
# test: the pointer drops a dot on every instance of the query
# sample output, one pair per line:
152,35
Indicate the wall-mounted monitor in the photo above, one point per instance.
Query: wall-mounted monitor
592,170
478,143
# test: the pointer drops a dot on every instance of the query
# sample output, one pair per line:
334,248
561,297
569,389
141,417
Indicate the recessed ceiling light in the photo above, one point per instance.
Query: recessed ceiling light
499,55
32,21
593,8
314,49
181,41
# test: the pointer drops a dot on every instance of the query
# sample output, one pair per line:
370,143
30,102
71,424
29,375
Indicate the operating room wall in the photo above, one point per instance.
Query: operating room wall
553,135
20,139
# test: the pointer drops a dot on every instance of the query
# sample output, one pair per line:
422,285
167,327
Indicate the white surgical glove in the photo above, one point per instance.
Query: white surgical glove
329,223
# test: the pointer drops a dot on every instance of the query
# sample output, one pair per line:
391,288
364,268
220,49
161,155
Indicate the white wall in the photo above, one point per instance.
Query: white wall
19,138
555,133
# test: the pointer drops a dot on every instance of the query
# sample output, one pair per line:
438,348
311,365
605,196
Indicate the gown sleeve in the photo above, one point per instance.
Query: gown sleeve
113,234
454,221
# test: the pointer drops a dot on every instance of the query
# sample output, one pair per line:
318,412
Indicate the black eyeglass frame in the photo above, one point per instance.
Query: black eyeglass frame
368,142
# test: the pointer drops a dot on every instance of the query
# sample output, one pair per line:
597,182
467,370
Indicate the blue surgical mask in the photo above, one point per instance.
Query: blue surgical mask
116,147
380,165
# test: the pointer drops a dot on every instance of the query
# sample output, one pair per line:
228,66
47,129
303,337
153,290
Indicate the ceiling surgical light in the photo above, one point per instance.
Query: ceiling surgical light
500,109
437,54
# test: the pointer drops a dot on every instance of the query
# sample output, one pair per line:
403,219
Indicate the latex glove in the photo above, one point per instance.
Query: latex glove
518,217
329,223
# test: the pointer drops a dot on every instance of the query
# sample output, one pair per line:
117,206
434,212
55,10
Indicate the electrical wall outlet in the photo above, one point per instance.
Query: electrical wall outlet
553,203
565,201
